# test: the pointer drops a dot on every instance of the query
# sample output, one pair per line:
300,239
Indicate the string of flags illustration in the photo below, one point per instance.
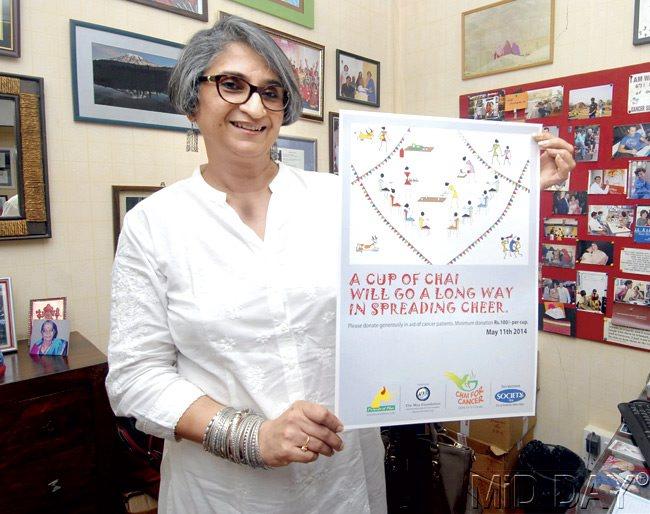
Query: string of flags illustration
441,196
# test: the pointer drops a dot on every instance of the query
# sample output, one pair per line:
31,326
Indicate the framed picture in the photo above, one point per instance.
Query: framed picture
120,78
49,337
641,22
197,9
7,167
507,35
357,79
10,33
334,142
7,327
299,152
46,308
124,199
297,11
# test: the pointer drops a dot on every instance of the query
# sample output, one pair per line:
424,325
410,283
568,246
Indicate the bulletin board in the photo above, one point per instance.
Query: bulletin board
614,314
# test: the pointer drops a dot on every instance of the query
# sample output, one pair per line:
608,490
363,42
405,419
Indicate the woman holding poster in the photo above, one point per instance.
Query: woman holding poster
223,314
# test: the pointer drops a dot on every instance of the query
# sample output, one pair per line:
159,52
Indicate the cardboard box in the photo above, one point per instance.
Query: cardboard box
502,433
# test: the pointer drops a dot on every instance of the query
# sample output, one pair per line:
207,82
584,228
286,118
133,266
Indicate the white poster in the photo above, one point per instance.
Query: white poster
638,93
438,299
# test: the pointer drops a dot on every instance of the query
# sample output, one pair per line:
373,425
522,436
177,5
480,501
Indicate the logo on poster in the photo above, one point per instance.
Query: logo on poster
423,393
469,391
380,401
510,395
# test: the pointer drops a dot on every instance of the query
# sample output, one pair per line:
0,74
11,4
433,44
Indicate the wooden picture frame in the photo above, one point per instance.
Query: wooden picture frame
641,34
7,325
364,86
298,50
507,35
333,129
108,65
124,199
296,11
46,308
10,33
176,7
299,152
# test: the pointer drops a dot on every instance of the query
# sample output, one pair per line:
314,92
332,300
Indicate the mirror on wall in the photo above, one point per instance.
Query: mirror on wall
24,202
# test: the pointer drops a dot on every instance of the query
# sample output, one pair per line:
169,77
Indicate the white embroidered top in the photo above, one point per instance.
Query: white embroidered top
201,305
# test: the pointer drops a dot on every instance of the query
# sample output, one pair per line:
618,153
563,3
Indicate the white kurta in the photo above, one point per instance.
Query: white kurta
201,305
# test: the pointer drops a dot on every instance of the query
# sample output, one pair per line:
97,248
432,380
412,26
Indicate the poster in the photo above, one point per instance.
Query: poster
438,293
635,260
638,94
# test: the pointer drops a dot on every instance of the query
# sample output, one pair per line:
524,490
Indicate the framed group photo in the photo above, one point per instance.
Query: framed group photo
10,31
126,198
197,9
507,35
357,79
120,78
296,11
298,152
7,326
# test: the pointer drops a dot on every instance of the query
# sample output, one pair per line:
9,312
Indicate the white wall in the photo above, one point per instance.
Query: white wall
581,381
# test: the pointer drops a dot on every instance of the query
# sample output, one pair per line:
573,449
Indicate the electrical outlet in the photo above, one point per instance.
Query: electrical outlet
596,444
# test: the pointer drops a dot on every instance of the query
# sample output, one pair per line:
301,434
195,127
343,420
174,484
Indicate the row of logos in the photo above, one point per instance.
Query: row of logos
469,392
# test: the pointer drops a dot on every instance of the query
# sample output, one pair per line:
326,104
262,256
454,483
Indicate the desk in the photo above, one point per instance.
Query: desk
57,429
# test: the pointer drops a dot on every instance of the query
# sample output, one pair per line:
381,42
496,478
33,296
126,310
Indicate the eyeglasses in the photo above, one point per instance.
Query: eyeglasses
236,90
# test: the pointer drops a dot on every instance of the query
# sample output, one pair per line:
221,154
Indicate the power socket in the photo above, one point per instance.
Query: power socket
594,442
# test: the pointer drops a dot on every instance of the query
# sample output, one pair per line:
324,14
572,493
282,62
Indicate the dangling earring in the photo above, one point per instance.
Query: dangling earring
192,141
275,153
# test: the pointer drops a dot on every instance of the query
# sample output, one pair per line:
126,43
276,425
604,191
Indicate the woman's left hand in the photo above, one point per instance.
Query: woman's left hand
556,160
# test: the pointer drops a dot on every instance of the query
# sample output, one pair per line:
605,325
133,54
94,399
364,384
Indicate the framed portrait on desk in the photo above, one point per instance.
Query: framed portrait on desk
7,327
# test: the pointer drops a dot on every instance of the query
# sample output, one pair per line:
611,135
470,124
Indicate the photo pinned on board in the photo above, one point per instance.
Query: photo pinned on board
487,106
600,253
590,102
556,290
554,317
630,141
558,229
586,142
642,224
559,255
638,180
607,182
631,291
610,220
570,202
592,291
545,102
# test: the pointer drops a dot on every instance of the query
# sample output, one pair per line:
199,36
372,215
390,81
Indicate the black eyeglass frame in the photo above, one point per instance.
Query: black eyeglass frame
252,89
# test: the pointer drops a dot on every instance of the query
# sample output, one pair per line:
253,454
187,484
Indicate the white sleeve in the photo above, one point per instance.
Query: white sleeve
142,380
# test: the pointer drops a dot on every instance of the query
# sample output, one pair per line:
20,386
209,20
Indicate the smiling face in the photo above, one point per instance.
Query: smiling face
237,131
47,331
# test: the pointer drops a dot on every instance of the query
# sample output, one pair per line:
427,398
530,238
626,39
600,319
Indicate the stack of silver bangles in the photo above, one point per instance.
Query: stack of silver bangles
234,435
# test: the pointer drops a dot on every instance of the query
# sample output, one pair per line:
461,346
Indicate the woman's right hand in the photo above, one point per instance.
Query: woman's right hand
303,423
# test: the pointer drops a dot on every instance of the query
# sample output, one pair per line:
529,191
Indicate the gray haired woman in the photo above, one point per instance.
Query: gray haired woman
223,306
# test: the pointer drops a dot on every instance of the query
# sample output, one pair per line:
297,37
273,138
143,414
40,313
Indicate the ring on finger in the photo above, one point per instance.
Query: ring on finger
304,447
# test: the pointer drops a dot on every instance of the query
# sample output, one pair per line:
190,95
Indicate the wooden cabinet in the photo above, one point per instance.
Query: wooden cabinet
57,433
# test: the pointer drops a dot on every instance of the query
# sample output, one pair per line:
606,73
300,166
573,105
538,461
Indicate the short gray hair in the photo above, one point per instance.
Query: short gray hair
205,45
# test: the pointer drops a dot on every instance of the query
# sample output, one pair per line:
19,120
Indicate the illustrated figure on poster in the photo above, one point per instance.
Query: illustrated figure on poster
423,222
506,156
461,173
483,203
383,139
366,135
407,214
368,247
505,247
496,152
469,167
453,225
515,246
467,212
393,203
451,194
494,186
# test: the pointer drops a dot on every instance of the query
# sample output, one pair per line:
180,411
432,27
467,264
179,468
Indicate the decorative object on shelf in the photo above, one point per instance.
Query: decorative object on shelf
7,327
23,162
308,60
10,33
334,142
357,79
197,9
299,152
49,337
124,199
46,308
297,11
641,22
120,78
507,35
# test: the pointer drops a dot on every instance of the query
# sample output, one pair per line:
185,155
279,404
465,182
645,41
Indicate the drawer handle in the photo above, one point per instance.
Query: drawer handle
54,486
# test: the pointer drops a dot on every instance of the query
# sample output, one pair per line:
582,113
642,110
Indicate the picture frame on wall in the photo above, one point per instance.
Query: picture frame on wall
298,152
641,34
296,11
7,327
10,33
46,308
507,35
334,142
357,79
124,199
197,9
120,78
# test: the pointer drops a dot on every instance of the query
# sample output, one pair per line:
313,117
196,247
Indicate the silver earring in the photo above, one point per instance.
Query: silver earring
192,139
